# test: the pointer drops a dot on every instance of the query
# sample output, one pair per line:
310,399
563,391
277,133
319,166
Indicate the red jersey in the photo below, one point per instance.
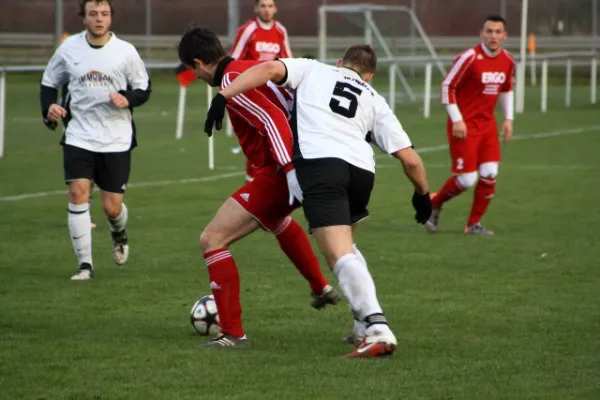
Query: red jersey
474,83
259,118
255,42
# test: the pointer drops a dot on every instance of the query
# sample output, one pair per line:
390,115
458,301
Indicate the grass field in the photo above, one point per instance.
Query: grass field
515,316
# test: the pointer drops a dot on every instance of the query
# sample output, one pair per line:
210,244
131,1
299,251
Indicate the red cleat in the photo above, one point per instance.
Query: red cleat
374,346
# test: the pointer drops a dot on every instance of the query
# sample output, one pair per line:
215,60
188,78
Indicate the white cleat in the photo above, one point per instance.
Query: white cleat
120,248
84,273
432,223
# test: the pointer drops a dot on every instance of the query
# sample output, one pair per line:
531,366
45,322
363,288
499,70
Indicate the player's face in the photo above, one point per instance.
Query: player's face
266,10
201,70
493,34
97,18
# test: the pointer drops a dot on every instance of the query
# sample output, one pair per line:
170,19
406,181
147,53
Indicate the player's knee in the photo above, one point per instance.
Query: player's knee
211,240
112,210
467,180
488,170
79,193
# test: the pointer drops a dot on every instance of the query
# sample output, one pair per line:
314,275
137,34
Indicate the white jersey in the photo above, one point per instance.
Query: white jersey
335,111
93,75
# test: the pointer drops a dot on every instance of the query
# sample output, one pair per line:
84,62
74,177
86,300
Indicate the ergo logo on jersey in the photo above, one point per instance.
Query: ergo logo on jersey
493,77
267,47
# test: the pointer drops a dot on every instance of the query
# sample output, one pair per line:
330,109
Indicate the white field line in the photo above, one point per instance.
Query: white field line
430,149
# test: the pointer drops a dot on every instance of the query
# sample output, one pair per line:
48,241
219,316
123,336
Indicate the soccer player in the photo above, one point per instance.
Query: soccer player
334,109
107,79
260,121
479,77
261,38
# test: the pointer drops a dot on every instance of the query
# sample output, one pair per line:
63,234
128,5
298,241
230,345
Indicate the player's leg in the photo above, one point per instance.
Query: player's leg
79,171
267,199
112,175
464,175
326,186
359,326
232,222
489,156
294,242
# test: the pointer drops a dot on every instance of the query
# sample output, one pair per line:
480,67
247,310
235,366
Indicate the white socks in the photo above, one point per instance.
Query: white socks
360,326
357,285
118,224
80,228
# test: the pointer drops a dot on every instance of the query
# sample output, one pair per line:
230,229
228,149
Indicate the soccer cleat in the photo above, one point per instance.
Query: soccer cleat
226,341
329,296
120,248
478,230
354,337
432,224
375,345
84,273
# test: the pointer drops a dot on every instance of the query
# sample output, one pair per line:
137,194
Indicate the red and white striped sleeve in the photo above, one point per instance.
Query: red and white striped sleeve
286,50
239,49
264,115
453,79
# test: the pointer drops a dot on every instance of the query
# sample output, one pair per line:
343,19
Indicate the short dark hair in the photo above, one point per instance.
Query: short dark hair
83,3
258,1
361,57
495,18
200,43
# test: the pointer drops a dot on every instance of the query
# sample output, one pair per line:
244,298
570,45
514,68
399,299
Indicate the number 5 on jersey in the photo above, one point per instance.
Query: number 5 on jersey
349,92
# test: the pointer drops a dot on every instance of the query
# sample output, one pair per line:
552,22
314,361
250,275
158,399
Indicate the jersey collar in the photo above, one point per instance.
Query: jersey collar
355,72
487,51
220,71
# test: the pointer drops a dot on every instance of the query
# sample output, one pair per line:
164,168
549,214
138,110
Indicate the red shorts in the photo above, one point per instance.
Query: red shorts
266,197
478,148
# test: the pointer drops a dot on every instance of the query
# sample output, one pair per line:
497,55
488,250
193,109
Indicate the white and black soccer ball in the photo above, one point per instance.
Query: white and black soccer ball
204,316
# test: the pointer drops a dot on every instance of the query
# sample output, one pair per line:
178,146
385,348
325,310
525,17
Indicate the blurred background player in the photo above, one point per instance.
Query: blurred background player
107,79
260,121
478,77
260,39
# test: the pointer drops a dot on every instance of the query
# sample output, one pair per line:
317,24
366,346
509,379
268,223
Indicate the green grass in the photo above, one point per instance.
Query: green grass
476,318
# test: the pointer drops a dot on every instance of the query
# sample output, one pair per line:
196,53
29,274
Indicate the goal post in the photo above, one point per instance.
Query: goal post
369,17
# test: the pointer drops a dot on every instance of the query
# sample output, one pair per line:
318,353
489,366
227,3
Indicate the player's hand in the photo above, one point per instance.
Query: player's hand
119,101
507,130
294,187
459,130
215,114
56,113
423,207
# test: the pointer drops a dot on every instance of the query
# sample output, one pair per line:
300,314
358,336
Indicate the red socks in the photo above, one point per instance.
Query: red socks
295,244
484,191
450,189
225,287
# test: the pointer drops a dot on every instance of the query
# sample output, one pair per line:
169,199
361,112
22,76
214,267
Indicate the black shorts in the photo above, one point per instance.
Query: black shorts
335,191
110,171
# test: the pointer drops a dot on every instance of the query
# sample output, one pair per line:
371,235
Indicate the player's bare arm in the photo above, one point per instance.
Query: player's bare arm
254,77
507,102
413,168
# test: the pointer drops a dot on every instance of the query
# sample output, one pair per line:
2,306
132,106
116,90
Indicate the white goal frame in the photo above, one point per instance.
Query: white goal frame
371,29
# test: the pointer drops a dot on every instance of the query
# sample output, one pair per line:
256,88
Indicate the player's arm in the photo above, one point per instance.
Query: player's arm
507,101
287,72
286,50
239,48
451,83
266,117
138,84
389,135
391,138
55,76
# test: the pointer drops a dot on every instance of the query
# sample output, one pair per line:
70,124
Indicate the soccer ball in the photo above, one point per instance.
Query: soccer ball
204,317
